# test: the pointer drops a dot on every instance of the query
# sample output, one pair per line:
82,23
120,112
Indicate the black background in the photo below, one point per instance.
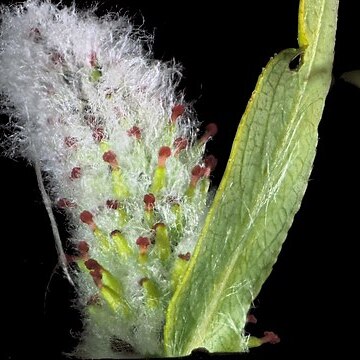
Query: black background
309,299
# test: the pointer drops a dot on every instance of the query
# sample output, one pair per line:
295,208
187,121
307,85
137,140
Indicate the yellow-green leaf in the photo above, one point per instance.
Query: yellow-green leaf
261,191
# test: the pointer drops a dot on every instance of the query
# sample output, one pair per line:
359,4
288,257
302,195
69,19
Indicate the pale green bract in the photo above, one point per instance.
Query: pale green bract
260,193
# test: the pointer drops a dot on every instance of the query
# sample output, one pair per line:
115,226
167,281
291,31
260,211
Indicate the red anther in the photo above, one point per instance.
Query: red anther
93,59
210,130
75,173
270,337
185,257
98,134
177,111
87,218
92,264
112,204
196,173
164,153
90,120
135,132
95,271
83,248
143,243
110,157
70,141
251,319
210,164
64,203
149,200
180,144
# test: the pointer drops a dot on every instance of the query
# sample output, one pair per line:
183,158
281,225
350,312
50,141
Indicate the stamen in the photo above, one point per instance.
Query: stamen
164,154
110,157
159,180
177,111
152,292
83,248
87,218
149,200
269,337
135,132
120,189
109,287
98,134
64,203
210,164
162,242
112,204
75,173
210,131
179,268
179,144
196,173
71,141
121,243
143,243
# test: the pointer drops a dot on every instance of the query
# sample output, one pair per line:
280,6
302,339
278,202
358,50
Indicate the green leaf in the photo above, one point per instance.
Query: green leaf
262,188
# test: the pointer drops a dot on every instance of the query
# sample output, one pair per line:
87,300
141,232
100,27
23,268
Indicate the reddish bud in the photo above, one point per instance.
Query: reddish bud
64,203
197,171
180,144
143,243
185,257
210,131
110,157
87,218
210,164
164,153
95,271
149,200
70,141
92,264
83,248
177,111
112,204
75,173
135,132
270,337
98,134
